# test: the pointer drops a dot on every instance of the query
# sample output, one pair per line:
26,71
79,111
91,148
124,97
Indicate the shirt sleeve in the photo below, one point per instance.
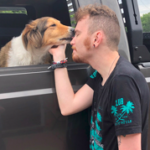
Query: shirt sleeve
92,79
125,109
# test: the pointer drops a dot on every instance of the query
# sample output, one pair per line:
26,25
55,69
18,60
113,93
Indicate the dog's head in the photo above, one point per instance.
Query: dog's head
44,32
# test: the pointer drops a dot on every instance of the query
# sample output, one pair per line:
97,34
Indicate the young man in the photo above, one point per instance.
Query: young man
117,91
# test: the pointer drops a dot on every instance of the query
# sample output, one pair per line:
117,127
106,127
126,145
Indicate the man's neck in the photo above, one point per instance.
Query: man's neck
104,63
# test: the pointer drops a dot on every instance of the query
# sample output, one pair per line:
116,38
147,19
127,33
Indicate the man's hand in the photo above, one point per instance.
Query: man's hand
58,52
129,142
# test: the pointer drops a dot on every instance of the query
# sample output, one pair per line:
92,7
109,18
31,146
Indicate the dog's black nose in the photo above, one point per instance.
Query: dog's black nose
72,31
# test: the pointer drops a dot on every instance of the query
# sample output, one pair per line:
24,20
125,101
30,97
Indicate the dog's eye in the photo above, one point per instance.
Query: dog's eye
53,25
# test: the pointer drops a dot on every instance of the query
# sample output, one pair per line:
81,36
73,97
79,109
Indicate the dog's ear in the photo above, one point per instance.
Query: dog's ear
31,36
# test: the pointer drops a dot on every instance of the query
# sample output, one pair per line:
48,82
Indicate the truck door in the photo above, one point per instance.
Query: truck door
30,117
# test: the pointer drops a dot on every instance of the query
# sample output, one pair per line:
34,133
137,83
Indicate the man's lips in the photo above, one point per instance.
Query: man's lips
73,47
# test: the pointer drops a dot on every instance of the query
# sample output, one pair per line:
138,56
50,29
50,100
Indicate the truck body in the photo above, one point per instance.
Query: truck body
30,117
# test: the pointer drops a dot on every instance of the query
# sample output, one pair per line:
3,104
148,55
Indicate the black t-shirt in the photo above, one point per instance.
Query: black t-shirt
120,107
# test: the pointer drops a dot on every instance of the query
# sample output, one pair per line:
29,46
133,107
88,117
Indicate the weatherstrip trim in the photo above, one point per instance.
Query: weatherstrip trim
28,93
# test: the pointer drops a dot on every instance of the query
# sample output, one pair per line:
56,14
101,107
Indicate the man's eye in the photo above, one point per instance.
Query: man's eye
77,34
53,25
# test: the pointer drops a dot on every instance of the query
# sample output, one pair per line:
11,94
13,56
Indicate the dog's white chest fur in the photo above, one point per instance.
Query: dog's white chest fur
19,56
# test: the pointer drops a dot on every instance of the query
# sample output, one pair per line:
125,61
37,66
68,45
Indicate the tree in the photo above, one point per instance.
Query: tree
146,22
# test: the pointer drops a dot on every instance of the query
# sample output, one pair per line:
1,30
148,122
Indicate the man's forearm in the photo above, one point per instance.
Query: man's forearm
65,93
129,142
69,102
63,86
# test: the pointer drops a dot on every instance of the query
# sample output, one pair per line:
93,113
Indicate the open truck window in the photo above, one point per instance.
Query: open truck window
14,17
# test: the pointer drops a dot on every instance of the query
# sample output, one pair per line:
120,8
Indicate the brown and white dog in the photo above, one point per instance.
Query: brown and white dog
31,47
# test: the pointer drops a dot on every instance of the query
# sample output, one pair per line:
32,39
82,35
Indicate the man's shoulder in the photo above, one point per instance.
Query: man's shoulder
125,68
126,72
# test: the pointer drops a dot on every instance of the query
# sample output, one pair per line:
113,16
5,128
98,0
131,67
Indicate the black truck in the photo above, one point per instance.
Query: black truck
30,117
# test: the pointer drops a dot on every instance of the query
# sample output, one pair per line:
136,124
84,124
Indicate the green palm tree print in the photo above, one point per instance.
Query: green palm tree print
126,109
114,110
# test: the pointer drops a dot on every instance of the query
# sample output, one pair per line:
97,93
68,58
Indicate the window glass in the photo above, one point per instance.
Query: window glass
144,7
13,10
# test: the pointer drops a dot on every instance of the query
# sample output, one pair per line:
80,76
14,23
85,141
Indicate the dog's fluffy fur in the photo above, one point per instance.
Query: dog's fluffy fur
31,47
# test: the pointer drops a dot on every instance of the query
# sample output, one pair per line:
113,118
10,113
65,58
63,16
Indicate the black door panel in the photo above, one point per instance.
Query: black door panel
30,117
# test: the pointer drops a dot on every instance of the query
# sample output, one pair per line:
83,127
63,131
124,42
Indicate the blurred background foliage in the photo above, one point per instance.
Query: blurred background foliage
146,22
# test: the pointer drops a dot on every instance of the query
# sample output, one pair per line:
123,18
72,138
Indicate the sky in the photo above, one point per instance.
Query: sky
144,6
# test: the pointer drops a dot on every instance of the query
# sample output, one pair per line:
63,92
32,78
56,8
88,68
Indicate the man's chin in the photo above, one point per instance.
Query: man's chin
77,59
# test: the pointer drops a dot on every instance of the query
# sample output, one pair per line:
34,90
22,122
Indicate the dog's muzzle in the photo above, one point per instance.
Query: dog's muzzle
72,32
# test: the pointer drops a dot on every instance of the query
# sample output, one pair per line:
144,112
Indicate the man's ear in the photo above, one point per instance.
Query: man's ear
31,37
98,38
